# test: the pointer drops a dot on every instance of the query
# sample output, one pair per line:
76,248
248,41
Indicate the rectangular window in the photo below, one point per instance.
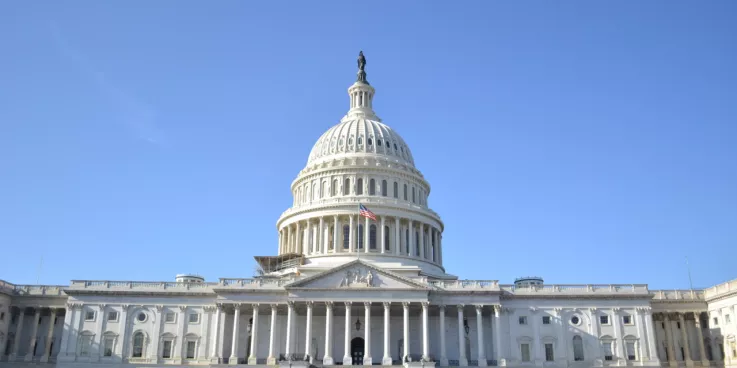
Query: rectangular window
627,320
606,347
194,318
191,345
525,352
727,319
604,319
546,320
716,321
549,356
171,317
86,343
166,350
630,346
2,316
108,347
523,320
89,316
112,316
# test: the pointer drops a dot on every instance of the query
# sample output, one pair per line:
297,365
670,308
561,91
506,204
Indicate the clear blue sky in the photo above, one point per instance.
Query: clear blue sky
585,142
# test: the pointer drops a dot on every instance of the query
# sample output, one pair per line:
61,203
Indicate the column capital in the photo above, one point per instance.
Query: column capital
290,304
441,307
255,306
159,308
479,308
348,304
182,308
593,310
367,304
616,311
329,305
425,304
534,310
387,305
219,306
405,305
309,304
101,306
274,307
498,310
558,310
460,307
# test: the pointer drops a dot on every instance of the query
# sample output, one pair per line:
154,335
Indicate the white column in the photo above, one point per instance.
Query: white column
617,324
383,236
271,360
68,323
387,359
537,350
308,333
298,240
351,235
281,241
215,353
405,331
425,333
684,339
347,344
367,360
236,332
652,350
366,237
397,236
290,319
49,337
411,244
669,341
315,239
336,232
288,245
125,333
462,359
34,332
252,357
443,350
321,237
480,336
18,333
153,350
440,247
560,346
423,240
700,336
500,361
180,332
328,358
326,239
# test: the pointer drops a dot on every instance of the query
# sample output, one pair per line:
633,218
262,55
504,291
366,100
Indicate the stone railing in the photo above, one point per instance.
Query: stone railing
721,289
625,289
32,290
355,200
490,285
678,295
253,283
103,285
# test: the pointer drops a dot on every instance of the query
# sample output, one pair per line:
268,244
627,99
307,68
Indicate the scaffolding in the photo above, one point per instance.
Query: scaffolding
270,264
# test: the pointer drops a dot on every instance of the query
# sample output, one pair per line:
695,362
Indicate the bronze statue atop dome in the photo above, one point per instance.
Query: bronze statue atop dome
361,68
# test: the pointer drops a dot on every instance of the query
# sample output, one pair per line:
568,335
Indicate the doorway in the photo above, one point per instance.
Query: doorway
357,345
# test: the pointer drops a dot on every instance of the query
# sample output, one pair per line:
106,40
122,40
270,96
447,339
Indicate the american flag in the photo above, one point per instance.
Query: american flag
365,212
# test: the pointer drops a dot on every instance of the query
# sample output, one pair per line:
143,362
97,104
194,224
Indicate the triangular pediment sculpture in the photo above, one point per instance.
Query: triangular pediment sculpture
357,275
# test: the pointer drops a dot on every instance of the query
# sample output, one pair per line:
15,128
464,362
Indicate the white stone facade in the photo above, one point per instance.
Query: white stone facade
348,290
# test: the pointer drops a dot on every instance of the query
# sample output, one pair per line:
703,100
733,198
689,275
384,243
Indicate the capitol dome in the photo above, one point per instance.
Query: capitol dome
360,162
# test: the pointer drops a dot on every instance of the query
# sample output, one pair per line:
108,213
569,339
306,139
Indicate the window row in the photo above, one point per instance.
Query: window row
138,345
169,317
576,320
307,192
336,145
607,349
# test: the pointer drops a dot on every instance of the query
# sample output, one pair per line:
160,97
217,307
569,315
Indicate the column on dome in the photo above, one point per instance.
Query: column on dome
383,236
336,233
366,235
321,237
397,236
298,240
440,247
411,245
351,234
289,239
423,240
281,241
315,238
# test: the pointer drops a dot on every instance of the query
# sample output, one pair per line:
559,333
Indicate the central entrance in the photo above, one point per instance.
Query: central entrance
357,345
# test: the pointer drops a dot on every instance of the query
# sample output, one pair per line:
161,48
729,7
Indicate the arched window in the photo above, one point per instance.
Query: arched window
360,236
138,339
372,187
405,192
578,348
359,186
417,244
372,237
346,186
360,139
314,191
384,189
406,242
396,190
346,234
335,187
324,189
387,237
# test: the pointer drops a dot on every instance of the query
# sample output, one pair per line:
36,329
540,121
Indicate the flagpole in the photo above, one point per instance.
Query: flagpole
358,251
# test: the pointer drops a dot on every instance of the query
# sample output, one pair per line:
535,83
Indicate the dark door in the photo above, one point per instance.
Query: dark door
357,351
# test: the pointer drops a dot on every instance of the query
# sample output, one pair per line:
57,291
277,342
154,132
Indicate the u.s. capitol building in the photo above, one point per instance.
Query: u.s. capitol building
345,289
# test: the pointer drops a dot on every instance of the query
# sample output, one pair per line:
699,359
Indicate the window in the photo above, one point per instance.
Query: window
417,243
346,236
141,317
360,139
89,316
716,321
360,236
396,190
108,346
346,186
387,237
112,316
384,189
372,187
405,192
630,346
194,317
578,348
372,237
627,320
2,316
166,350
525,352
138,345
546,320
522,320
170,317
549,356
369,141
191,348
85,343
727,319
606,348
604,319
678,325
334,189
575,320
406,242
359,186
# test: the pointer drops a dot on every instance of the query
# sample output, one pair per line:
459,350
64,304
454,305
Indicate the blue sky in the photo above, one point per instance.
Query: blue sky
585,142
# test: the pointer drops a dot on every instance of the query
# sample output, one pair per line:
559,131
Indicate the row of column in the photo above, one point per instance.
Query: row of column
313,237
669,338
367,358
34,335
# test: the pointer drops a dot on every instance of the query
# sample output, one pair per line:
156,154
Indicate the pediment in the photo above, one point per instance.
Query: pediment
356,275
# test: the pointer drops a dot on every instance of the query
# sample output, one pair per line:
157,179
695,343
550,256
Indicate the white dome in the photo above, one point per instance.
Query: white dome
356,136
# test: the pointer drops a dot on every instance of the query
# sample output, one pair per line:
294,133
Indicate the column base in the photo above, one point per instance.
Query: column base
271,361
705,363
463,362
621,362
252,361
367,360
28,358
444,362
12,357
502,362
44,359
215,360
672,363
232,360
386,361
689,363
483,362
347,360
328,361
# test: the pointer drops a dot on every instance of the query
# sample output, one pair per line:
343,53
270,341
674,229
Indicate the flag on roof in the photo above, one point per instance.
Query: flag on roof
365,212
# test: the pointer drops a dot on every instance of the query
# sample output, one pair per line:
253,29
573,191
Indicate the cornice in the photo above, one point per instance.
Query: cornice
351,206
